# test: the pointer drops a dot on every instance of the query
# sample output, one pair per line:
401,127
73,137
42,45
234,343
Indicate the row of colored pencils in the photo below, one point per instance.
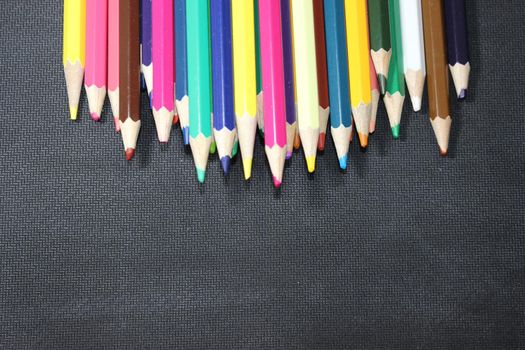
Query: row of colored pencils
225,68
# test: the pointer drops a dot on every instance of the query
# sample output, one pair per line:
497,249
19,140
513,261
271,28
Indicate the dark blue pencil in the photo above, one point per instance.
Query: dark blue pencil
222,80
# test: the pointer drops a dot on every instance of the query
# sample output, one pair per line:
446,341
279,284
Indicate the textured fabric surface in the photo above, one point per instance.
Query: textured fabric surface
405,250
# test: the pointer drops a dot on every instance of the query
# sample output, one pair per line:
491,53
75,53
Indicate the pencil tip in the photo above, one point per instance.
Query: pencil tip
381,79
363,140
130,153
288,155
416,103
297,142
225,163
395,131
213,147
235,148
372,128
95,117
462,95
321,141
186,135
310,163
261,132
201,175
117,124
342,162
443,152
175,119
276,183
73,113
247,167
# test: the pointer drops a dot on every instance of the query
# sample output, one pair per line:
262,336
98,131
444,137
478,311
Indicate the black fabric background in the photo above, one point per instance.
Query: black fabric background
406,250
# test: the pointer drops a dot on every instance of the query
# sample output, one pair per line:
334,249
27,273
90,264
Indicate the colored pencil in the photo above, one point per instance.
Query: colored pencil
272,65
95,75
322,72
380,45
340,114
395,88
113,59
359,66
457,40
376,93
222,79
182,100
129,84
297,138
244,75
413,49
199,82
306,78
163,75
291,121
435,50
146,54
260,95
74,51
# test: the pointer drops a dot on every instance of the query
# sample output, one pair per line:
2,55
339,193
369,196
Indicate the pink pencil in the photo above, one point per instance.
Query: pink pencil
96,55
163,77
273,87
113,59
375,96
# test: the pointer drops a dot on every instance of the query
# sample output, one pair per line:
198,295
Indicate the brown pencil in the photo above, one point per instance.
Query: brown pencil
129,104
437,72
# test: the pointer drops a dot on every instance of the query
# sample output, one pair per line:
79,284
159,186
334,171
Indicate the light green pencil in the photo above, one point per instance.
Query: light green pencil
260,110
199,82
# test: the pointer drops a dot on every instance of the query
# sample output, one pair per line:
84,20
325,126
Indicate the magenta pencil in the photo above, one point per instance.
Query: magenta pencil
163,73
273,86
95,76
113,59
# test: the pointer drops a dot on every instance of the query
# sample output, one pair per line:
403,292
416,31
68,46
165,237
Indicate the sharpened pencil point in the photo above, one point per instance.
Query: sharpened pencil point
201,175
175,119
372,128
443,152
321,142
395,131
95,117
235,148
363,140
213,147
130,153
186,135
288,155
381,79
73,113
310,163
297,141
342,162
462,95
225,163
117,124
247,166
416,103
261,133
276,182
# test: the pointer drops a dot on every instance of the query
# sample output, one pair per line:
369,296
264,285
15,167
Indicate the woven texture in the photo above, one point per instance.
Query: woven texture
405,250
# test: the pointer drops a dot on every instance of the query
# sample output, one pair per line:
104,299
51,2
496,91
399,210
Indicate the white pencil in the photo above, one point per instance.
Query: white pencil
413,49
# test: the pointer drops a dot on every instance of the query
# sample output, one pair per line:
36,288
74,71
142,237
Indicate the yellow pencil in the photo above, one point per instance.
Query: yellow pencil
74,50
244,79
306,78
359,66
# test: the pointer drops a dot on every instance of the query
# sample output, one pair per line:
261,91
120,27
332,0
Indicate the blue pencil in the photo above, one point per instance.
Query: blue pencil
340,112
181,89
222,78
291,122
145,44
